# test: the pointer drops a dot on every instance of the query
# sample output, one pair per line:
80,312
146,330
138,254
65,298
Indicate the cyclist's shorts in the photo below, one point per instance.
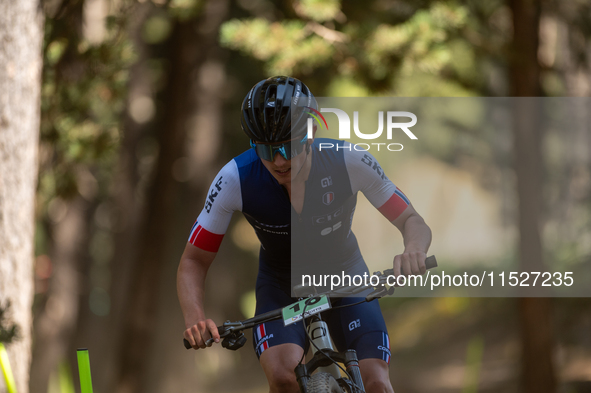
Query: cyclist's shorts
360,327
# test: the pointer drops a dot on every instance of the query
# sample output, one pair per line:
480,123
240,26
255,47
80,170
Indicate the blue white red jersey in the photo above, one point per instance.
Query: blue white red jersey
322,229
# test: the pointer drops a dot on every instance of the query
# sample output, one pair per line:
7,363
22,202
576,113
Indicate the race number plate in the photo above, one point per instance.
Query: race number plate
312,305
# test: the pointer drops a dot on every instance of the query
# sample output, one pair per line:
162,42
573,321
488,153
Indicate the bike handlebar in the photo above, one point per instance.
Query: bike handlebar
229,327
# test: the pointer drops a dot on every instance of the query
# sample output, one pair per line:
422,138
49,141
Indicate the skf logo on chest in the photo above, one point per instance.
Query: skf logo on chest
327,198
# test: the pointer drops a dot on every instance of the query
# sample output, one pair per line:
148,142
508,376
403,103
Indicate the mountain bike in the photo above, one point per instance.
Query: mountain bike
325,360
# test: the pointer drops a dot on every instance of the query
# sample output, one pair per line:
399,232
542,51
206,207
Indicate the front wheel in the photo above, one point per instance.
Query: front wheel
323,383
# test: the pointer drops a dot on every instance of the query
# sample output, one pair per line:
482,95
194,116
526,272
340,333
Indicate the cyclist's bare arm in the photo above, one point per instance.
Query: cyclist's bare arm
417,239
223,199
193,267
367,175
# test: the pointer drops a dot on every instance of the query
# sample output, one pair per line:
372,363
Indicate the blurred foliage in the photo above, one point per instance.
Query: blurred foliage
375,45
82,99
403,48
319,10
156,29
288,47
419,43
185,9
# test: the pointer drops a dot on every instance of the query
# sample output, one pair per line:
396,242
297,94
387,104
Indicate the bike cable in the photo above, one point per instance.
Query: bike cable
354,304
349,305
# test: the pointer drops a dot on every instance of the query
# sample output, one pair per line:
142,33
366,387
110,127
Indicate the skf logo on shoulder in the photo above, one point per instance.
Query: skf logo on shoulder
354,324
367,160
213,193
327,198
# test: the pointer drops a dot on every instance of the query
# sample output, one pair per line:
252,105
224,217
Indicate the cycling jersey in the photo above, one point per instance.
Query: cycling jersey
321,230
293,242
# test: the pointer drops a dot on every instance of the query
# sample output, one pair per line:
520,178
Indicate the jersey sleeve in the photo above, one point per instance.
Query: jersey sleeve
223,199
366,175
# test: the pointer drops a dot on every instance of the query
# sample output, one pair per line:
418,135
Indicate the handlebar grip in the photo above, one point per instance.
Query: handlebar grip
209,342
431,262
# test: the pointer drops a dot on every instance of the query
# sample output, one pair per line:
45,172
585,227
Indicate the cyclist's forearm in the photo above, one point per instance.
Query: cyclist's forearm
190,289
416,234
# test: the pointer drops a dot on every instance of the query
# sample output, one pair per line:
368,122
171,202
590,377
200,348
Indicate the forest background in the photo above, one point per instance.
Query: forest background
115,115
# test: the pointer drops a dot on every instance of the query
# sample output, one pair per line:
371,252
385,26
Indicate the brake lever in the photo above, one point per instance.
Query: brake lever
234,341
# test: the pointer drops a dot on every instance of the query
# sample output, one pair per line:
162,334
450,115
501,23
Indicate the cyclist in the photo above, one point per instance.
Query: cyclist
267,184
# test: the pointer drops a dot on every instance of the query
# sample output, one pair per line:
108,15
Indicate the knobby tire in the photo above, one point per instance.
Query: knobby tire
323,383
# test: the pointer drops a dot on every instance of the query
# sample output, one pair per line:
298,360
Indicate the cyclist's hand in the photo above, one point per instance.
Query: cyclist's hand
199,333
410,262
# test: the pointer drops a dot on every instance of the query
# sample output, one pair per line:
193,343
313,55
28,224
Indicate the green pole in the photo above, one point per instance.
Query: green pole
84,370
6,370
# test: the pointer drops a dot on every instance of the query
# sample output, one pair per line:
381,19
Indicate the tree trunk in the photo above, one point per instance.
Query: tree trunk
191,67
140,312
21,36
126,202
125,211
535,313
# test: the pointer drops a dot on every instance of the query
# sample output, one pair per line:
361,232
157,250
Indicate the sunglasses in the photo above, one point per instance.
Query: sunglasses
287,149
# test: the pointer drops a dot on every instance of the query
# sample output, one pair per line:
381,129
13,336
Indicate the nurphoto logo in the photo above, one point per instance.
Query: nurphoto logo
393,124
